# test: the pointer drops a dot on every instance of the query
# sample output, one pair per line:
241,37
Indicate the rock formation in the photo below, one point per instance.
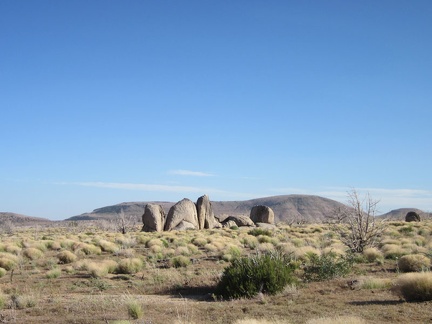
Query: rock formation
184,210
153,218
206,217
262,214
412,216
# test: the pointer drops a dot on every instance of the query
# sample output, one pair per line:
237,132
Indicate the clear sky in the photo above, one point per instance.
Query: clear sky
105,102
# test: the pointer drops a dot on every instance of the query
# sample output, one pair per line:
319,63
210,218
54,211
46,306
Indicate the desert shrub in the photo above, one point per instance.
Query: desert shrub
126,253
134,309
414,286
265,247
327,266
249,241
413,263
193,248
87,249
21,302
32,253
66,257
199,241
304,253
179,261
53,274
8,261
393,251
260,231
11,248
2,272
337,320
126,242
129,266
248,276
372,254
211,247
182,250
234,250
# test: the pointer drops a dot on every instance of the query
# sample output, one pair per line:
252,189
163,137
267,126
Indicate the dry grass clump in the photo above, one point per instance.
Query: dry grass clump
249,241
415,286
179,261
265,247
375,283
413,263
337,320
372,254
12,248
126,241
182,250
393,251
154,241
130,265
32,253
334,250
53,245
66,257
259,321
134,309
108,246
126,253
303,253
86,249
101,269
53,273
211,247
2,272
8,261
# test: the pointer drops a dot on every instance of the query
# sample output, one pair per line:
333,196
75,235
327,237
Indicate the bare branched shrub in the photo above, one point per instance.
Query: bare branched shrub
356,223
125,223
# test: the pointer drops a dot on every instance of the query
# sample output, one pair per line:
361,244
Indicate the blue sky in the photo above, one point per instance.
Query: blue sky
104,102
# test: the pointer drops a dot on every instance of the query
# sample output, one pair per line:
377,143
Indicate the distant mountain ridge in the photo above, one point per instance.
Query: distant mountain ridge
286,207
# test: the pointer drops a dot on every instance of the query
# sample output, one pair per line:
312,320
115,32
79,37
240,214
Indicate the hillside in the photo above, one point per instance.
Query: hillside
399,214
18,219
288,207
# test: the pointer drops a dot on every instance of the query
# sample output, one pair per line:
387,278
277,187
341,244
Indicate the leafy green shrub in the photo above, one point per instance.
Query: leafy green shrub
415,286
260,231
327,266
413,263
248,276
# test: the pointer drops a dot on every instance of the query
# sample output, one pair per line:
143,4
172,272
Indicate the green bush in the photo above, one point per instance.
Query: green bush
260,231
246,277
327,266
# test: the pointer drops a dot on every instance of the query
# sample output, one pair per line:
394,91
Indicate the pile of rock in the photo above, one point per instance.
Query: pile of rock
186,215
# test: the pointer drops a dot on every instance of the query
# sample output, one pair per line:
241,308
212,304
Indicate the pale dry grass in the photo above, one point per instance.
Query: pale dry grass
414,286
338,320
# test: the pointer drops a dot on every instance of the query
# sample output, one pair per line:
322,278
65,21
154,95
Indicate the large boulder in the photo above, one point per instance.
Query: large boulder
206,217
153,218
262,214
240,220
184,210
412,216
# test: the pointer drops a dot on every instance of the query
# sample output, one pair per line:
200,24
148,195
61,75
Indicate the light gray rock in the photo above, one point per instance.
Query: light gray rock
240,220
229,224
153,218
183,226
262,214
184,210
265,225
206,217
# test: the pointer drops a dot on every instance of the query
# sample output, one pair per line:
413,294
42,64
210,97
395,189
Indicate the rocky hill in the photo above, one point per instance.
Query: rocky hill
286,208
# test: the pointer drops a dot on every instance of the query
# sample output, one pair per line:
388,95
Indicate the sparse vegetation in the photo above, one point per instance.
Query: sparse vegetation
415,286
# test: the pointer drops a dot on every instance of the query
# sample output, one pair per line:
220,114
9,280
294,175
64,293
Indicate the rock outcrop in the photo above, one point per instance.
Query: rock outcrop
412,216
153,218
262,214
206,217
184,210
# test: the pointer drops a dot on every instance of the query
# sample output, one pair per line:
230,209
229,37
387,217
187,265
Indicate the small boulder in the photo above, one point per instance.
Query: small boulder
412,216
229,224
262,214
184,210
153,218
